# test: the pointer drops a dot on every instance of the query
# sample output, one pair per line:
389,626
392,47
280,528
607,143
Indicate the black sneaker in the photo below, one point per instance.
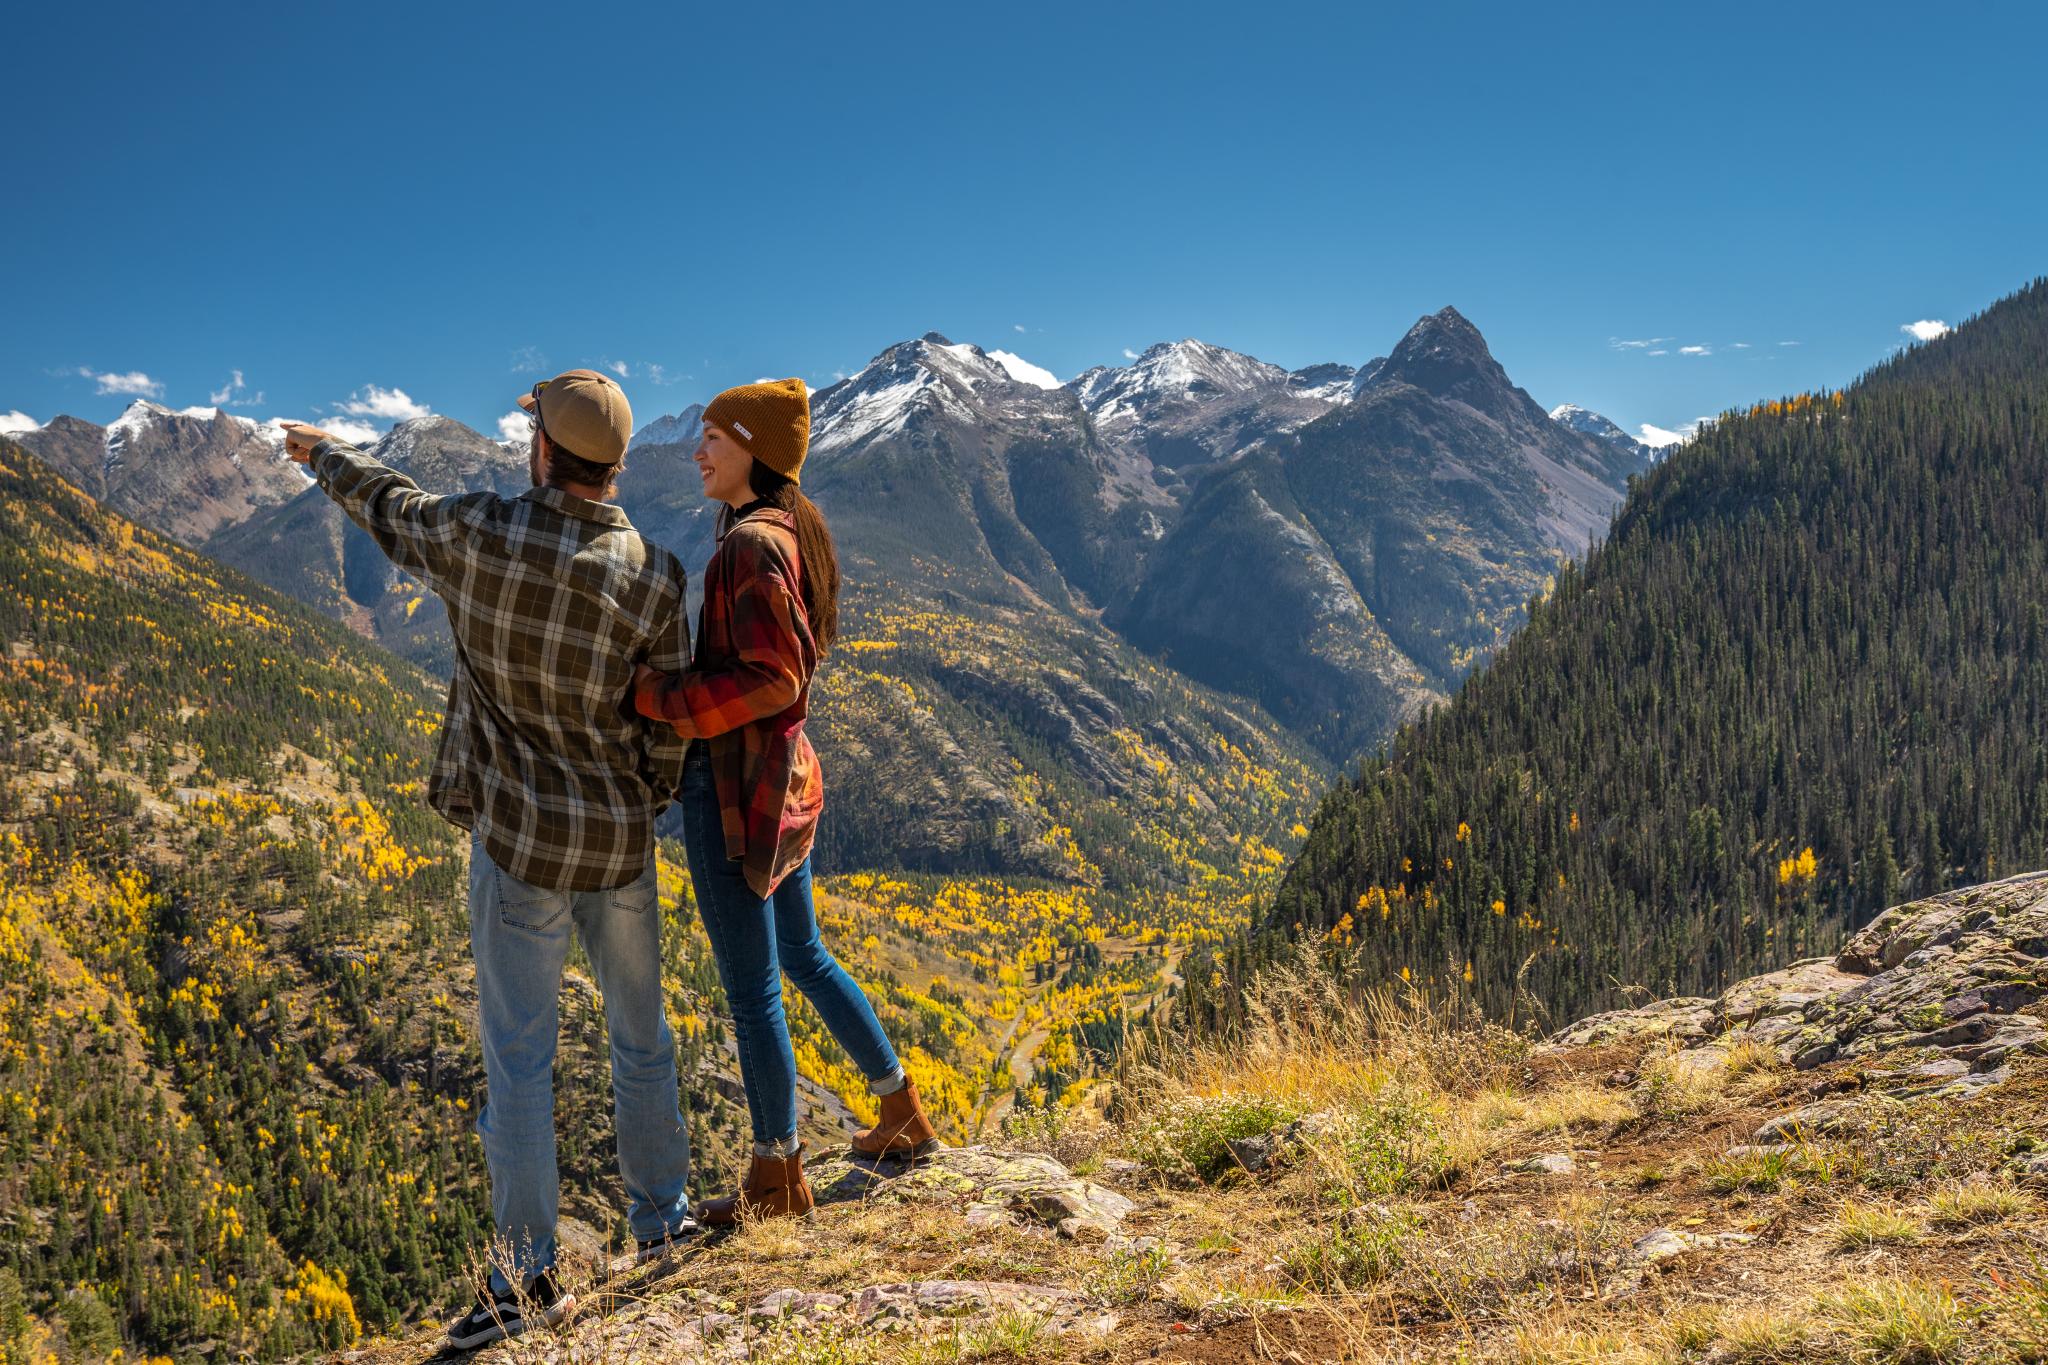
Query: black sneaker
507,1314
654,1248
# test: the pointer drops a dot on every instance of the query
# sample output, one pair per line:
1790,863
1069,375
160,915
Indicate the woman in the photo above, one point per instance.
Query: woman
751,790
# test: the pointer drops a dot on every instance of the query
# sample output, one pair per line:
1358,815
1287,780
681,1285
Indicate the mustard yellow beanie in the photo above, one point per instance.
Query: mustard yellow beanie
772,420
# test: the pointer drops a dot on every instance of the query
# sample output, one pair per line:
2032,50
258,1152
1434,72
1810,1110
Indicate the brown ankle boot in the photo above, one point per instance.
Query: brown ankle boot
901,1131
774,1188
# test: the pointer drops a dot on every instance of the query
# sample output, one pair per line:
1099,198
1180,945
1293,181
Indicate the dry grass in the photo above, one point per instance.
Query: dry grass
1396,1229
1966,1203
1861,1223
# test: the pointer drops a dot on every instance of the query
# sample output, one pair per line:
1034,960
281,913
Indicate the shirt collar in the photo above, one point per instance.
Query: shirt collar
606,513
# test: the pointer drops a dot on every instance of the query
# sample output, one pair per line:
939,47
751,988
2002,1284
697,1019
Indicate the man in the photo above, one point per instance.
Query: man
552,598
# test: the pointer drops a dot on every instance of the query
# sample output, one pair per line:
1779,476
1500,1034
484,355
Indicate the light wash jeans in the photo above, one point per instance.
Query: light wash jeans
754,942
519,934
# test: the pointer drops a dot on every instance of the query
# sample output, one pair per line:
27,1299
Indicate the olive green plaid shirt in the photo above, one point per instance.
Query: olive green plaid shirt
552,600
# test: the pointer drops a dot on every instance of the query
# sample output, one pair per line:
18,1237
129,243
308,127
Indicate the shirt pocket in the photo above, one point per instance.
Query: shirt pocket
805,791
526,906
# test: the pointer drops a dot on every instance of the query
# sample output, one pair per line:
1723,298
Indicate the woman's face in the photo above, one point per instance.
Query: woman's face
724,466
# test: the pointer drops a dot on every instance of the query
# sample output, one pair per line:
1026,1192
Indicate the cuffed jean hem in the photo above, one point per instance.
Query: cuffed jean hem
778,1151
889,1085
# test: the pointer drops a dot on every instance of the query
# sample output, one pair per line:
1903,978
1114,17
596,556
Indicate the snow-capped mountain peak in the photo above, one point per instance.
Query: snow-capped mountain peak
931,373
1586,421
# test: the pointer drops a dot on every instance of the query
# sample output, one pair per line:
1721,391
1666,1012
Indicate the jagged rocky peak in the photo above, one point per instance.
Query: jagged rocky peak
1443,354
1330,383
1368,375
443,454
679,428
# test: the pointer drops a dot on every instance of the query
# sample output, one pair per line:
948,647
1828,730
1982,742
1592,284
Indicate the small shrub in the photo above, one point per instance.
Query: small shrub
1127,1276
1364,1247
1066,1134
1192,1133
1391,1146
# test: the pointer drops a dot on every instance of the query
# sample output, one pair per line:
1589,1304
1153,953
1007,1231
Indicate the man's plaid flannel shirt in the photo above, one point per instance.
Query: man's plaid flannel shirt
552,600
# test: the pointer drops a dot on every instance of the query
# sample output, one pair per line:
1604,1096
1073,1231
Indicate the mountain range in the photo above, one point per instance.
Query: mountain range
1335,546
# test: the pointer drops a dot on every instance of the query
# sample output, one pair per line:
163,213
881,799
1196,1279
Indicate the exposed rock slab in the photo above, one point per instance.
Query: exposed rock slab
986,1184
1929,992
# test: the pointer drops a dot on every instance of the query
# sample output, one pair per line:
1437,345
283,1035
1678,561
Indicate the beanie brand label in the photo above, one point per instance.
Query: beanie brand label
743,431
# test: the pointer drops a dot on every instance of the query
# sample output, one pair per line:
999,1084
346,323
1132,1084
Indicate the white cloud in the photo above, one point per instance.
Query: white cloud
17,420
765,379
1660,437
1739,346
529,360
660,374
619,368
133,382
515,426
1018,327
203,411
1023,371
355,433
1695,350
1927,329
1130,354
1640,344
234,393
1788,343
391,405
1659,351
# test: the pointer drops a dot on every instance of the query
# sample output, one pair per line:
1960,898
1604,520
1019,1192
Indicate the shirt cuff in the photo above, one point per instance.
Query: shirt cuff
330,446
648,696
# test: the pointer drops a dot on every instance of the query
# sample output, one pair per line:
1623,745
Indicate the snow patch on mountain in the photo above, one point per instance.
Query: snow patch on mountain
16,421
1023,371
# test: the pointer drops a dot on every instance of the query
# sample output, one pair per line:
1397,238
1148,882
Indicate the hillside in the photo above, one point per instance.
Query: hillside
1804,675
237,1059
1770,1175
234,938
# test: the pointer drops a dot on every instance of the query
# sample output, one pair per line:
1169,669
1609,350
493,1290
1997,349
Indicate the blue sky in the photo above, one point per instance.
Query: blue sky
337,202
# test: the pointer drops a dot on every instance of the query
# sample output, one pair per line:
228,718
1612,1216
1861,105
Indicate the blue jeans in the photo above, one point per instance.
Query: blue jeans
519,934
754,942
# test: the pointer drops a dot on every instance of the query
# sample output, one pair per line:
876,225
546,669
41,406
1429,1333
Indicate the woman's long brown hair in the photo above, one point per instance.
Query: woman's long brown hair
813,547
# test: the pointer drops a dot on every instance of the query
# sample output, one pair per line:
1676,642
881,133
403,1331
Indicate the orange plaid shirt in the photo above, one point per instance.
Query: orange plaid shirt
746,694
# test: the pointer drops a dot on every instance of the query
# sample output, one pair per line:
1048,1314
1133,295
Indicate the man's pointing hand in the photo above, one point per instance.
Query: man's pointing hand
299,440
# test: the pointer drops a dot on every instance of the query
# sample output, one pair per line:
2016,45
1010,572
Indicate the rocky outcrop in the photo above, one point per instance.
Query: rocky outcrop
986,1185
1929,996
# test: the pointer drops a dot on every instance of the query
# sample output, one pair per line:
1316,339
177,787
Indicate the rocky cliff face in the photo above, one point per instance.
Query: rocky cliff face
1348,572
184,475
